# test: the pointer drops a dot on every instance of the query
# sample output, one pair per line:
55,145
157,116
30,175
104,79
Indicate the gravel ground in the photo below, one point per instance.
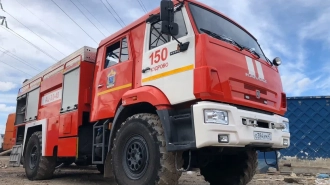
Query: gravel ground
74,175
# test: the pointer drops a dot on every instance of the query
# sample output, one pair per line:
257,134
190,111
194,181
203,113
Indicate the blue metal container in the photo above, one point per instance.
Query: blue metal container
309,119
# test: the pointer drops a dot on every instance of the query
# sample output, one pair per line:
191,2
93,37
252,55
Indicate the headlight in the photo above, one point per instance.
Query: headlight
286,129
216,116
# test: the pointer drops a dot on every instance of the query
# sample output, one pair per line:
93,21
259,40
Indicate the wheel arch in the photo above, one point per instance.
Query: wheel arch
145,94
29,132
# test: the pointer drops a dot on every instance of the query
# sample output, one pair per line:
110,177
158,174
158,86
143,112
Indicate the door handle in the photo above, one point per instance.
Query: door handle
100,85
146,69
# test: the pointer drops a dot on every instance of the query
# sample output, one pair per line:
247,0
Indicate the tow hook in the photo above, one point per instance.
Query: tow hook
251,123
176,163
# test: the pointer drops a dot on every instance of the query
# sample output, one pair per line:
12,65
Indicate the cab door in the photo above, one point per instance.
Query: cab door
164,66
113,79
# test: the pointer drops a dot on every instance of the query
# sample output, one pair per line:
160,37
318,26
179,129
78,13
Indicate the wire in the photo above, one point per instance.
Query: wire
86,17
142,5
111,13
34,33
46,24
26,63
74,21
93,16
16,68
115,12
21,37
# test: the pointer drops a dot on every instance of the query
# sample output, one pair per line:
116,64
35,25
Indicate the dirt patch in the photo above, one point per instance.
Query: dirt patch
74,175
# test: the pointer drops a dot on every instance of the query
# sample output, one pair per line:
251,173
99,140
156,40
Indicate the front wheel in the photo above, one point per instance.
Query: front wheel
37,167
236,169
139,156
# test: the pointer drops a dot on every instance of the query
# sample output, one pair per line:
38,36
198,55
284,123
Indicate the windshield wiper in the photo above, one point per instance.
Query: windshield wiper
252,51
223,38
227,39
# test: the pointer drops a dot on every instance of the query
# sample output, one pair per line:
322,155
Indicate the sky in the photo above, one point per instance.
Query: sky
296,31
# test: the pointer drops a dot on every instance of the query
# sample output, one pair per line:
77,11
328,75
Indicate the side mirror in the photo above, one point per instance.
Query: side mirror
167,10
167,18
277,61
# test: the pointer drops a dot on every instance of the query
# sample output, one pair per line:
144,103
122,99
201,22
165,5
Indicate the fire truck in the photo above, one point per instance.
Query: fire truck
182,88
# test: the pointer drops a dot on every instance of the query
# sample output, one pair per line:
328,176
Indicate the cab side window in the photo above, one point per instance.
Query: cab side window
178,18
115,53
158,39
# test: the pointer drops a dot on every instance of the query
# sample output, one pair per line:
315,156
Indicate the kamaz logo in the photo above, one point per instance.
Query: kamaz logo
252,72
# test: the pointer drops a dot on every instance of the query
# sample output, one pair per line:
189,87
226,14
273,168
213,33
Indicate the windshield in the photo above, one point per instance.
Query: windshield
208,20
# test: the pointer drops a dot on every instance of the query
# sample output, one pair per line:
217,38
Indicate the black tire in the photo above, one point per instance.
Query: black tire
22,160
100,168
142,137
40,167
81,163
231,170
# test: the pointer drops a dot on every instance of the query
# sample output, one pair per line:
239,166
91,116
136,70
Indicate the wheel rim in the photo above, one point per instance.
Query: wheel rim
136,157
34,157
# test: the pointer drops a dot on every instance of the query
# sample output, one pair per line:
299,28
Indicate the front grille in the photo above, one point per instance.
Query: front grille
262,124
255,123
253,110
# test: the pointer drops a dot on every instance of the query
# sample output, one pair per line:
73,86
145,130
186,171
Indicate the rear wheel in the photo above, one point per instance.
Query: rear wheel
37,167
231,169
139,156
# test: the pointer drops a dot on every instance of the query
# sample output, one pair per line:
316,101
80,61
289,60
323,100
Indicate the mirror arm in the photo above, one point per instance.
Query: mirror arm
183,46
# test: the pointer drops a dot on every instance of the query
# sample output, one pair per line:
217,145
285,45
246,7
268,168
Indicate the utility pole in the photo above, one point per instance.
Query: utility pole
3,21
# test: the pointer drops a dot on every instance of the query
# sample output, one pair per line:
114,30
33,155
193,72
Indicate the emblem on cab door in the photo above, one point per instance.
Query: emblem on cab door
258,94
111,78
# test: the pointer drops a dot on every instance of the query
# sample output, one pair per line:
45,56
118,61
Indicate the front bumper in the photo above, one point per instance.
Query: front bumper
240,135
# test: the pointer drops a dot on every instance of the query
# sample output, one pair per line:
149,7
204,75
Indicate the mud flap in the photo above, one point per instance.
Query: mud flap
108,172
15,156
267,160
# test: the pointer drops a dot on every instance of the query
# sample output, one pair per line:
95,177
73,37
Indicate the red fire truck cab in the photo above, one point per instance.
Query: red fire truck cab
181,88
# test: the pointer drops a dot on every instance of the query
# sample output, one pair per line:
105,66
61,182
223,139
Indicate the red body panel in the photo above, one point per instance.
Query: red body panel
52,135
67,147
224,68
106,100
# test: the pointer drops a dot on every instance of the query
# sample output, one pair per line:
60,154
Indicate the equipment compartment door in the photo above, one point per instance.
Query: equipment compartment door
114,77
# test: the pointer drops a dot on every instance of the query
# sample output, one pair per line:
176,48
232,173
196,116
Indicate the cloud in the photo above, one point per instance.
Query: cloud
8,98
318,29
5,108
2,128
6,86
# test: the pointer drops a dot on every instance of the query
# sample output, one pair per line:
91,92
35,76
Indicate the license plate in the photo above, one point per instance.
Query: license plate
262,136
